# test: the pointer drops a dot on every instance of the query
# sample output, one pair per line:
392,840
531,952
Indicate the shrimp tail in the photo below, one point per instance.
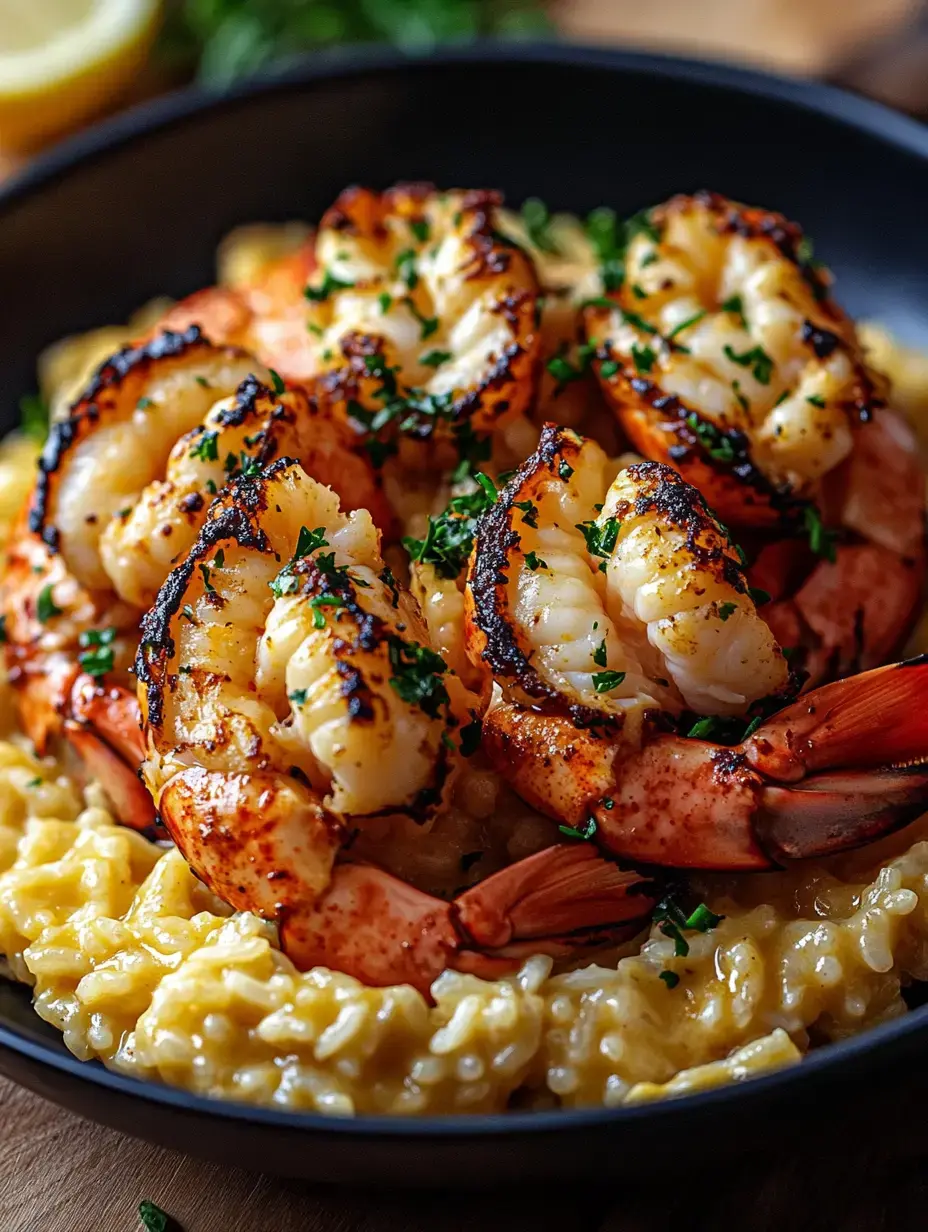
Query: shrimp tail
560,902
850,760
104,729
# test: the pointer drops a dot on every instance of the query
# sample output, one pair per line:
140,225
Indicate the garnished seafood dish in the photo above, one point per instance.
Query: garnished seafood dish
467,659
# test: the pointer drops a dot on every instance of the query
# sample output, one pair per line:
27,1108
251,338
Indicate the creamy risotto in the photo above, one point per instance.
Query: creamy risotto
139,965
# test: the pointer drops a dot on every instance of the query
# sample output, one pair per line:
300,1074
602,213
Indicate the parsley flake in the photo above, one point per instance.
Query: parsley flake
329,284
584,831
725,610
206,448
533,561
605,682
45,605
97,656
643,357
434,359
277,382
756,359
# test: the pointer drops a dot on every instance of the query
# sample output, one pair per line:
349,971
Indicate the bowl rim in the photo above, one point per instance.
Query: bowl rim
162,114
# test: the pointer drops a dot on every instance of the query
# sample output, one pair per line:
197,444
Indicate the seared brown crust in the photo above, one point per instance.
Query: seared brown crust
503,649
681,507
234,517
709,456
131,364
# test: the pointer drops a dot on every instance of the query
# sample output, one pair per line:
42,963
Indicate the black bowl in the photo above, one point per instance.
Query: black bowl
135,208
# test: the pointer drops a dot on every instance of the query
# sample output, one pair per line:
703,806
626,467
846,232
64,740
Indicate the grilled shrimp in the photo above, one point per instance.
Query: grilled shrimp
423,315
289,698
613,597
258,305
601,631
723,354
118,496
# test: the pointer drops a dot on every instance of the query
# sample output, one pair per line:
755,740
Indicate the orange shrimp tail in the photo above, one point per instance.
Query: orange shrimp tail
105,731
560,901
855,754
876,719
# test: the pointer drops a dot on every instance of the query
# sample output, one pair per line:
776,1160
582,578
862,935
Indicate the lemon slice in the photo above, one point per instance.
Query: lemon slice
63,60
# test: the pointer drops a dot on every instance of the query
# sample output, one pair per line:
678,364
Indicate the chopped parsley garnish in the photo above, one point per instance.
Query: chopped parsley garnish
643,357
564,470
726,610
450,536
34,416
153,1218
434,359
385,300
756,359
529,512
822,541
207,584
564,371
210,487
672,920
143,404
537,222
632,318
417,675
739,396
533,561
45,605
638,291
605,682
206,448
603,232
782,398
420,229
584,831
406,268
600,540
599,654
609,367
309,541
318,602
429,325
758,596
816,400
715,443
202,382
670,978
317,330
678,329
735,305
277,382
298,697
36,782
329,284
97,657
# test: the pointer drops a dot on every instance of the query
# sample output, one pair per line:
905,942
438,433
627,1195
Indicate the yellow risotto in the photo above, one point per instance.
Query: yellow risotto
140,966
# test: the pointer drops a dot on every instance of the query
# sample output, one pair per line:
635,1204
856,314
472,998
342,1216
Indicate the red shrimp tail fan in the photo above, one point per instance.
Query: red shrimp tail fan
878,719
566,889
830,813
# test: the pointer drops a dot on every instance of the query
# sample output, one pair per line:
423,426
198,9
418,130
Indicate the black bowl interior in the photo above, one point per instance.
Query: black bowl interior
134,209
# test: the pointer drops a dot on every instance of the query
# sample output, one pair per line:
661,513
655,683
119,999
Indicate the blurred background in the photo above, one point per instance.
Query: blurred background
63,63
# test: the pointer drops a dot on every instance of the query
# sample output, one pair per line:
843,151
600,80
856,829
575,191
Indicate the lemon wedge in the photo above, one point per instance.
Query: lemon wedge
61,61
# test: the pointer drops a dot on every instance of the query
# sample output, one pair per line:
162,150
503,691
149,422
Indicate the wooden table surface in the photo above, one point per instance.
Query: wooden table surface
62,1174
